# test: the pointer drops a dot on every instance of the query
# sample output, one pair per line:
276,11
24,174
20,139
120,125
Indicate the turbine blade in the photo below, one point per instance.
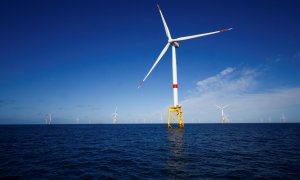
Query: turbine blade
200,35
158,59
226,106
164,22
218,106
141,84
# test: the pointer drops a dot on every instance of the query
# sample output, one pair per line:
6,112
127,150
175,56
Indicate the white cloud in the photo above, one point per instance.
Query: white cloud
226,71
238,88
229,80
214,81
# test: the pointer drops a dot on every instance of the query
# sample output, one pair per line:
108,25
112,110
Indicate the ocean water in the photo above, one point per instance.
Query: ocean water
199,151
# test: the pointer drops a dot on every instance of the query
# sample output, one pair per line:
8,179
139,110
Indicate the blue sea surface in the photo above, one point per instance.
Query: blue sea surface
202,151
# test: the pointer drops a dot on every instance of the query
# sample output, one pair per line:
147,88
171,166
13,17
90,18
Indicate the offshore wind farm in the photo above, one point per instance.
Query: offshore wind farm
70,109
175,112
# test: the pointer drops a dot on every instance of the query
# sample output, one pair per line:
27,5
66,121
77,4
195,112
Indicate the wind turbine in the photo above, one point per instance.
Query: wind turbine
115,115
49,118
175,112
224,119
283,118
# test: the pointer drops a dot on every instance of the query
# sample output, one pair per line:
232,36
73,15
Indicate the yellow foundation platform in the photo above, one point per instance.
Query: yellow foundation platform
175,115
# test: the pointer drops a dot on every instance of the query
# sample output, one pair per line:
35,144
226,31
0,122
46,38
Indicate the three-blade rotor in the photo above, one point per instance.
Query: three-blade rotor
115,114
174,42
222,107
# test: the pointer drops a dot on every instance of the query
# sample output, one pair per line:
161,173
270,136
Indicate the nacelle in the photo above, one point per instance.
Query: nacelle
176,44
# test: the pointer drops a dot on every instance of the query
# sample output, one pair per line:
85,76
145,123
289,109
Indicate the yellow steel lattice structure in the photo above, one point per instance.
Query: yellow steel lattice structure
175,115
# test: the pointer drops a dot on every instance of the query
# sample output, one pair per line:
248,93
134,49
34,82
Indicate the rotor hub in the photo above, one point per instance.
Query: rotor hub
175,44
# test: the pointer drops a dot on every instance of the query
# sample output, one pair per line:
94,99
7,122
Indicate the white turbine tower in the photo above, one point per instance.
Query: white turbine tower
49,118
115,115
175,112
224,119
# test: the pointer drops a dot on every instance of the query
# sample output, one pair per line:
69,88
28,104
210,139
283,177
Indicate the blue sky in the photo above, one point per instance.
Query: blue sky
82,58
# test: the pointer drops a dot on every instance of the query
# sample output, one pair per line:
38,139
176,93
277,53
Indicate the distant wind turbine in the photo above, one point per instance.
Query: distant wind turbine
283,118
49,119
175,112
224,119
115,115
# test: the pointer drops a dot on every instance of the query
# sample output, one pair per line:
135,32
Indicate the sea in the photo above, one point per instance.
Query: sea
150,151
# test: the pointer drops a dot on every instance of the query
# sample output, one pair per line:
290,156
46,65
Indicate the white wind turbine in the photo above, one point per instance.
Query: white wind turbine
223,117
115,115
49,120
175,44
283,118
